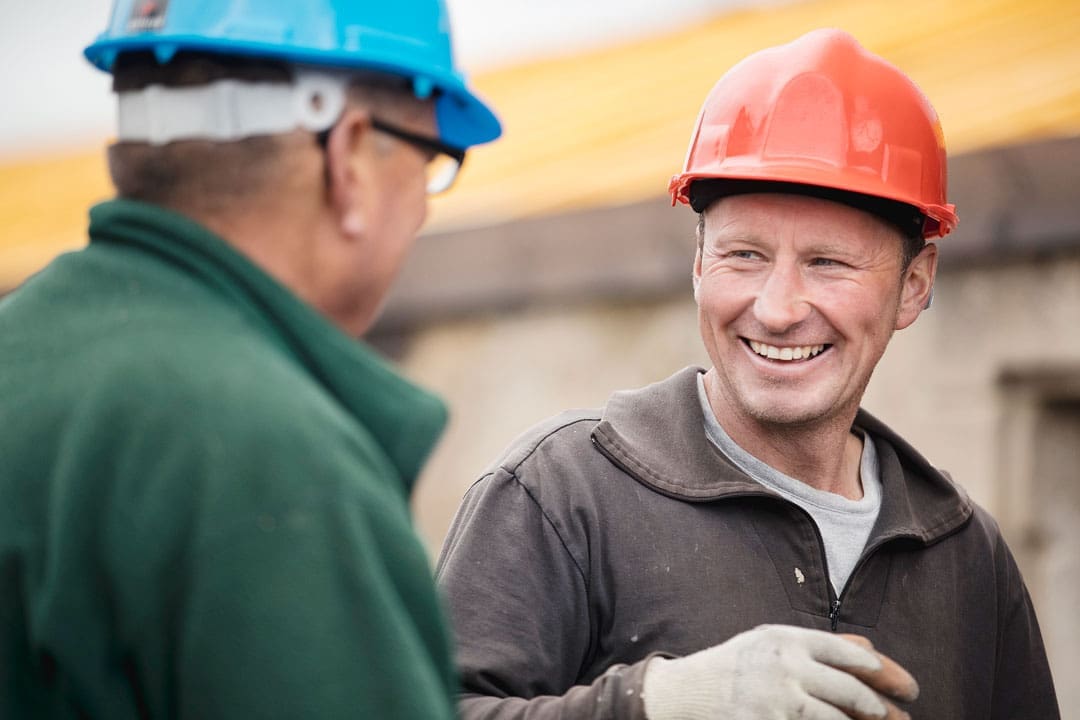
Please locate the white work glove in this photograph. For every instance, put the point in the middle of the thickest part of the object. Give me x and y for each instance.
(777, 672)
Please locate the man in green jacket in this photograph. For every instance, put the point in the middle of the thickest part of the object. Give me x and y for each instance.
(204, 501)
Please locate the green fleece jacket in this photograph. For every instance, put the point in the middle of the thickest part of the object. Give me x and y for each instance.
(204, 495)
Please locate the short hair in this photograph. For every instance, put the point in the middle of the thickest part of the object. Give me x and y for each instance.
(203, 176)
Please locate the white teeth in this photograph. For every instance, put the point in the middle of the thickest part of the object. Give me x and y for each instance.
(772, 352)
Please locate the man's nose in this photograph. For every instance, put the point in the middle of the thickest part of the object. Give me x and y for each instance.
(781, 301)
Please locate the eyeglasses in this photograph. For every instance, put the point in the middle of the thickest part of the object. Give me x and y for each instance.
(443, 162)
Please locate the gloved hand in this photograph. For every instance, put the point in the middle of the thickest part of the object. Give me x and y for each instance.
(776, 672)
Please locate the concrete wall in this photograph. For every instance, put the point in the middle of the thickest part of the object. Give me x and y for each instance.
(943, 381)
(504, 373)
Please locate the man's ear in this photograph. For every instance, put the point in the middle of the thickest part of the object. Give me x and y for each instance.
(917, 286)
(695, 276)
(346, 179)
(699, 236)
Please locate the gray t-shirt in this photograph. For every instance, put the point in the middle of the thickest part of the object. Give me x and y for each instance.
(844, 524)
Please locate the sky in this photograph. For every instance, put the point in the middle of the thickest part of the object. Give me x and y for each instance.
(54, 101)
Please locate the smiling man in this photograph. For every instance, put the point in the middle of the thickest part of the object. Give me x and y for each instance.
(798, 298)
(745, 541)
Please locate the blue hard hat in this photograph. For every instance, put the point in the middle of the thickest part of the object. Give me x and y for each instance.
(410, 38)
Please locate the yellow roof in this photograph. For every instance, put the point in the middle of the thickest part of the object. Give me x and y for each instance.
(611, 126)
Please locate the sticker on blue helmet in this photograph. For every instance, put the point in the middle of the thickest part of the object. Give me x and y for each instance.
(147, 15)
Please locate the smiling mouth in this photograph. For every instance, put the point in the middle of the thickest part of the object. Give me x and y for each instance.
(786, 354)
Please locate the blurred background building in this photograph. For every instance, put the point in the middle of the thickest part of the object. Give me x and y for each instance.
(556, 271)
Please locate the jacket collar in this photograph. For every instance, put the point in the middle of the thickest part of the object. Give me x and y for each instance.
(404, 419)
(657, 435)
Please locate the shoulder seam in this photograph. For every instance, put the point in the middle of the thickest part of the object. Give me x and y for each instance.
(541, 440)
(554, 528)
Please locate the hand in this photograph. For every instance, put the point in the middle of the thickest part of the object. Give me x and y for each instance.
(779, 672)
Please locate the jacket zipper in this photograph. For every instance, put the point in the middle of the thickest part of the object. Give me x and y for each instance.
(834, 602)
(834, 614)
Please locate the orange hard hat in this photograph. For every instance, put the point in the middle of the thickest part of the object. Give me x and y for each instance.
(822, 111)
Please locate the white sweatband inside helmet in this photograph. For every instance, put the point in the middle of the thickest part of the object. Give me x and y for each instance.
(227, 110)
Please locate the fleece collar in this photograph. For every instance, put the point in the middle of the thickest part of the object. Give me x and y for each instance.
(657, 435)
(404, 419)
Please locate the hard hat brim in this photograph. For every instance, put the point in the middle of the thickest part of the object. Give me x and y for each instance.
(940, 219)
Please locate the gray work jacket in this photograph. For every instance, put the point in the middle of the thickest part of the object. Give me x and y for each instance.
(599, 539)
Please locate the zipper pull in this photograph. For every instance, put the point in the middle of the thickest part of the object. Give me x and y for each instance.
(834, 614)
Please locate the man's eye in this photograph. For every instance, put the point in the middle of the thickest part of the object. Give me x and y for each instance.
(743, 254)
(825, 262)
